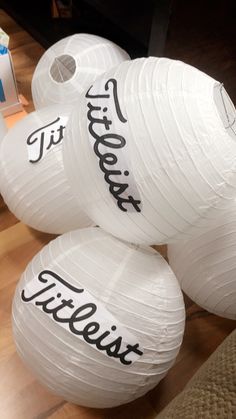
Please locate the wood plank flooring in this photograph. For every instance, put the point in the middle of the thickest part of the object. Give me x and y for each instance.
(21, 395)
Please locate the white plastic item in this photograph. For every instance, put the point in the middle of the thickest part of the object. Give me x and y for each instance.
(149, 151)
(71, 65)
(3, 128)
(97, 320)
(206, 266)
(32, 178)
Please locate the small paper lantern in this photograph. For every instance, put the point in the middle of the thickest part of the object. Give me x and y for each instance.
(206, 266)
(70, 65)
(3, 128)
(32, 178)
(151, 150)
(97, 320)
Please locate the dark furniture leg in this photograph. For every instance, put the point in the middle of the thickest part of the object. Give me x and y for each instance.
(160, 22)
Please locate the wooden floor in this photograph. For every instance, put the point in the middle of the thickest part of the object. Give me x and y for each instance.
(21, 396)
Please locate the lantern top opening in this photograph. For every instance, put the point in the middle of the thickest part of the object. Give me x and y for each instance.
(63, 68)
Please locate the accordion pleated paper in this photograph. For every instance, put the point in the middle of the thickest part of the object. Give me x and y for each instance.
(116, 296)
(32, 179)
(206, 266)
(70, 65)
(151, 150)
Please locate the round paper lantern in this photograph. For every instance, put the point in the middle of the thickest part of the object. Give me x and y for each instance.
(206, 266)
(3, 128)
(32, 178)
(70, 65)
(151, 150)
(97, 320)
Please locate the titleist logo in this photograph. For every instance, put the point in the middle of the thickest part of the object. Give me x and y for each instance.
(44, 138)
(78, 312)
(108, 144)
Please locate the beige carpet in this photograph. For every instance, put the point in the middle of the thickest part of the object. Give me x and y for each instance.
(211, 393)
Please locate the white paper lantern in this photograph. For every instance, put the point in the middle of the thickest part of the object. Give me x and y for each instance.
(32, 178)
(71, 65)
(125, 318)
(150, 151)
(3, 128)
(206, 266)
